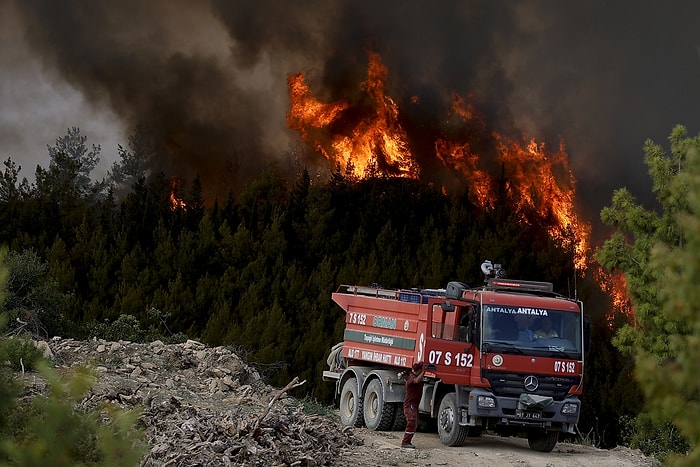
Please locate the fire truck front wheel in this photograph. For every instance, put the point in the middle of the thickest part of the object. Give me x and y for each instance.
(379, 415)
(450, 431)
(542, 441)
(351, 404)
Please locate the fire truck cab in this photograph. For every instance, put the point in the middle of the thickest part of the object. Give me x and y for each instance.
(508, 356)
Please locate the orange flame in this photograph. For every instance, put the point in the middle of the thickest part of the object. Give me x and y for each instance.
(176, 202)
(373, 143)
(543, 182)
(539, 181)
(368, 139)
(615, 286)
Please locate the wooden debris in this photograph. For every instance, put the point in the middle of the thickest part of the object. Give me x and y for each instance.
(204, 406)
(291, 385)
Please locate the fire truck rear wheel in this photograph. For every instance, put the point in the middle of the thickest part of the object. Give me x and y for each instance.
(379, 415)
(542, 441)
(351, 404)
(450, 431)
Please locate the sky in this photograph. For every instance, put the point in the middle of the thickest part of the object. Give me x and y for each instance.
(209, 78)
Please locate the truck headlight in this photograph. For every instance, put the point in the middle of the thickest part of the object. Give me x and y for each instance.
(487, 402)
(569, 408)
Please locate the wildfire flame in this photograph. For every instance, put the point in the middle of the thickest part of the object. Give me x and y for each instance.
(367, 138)
(539, 181)
(364, 139)
(615, 286)
(175, 202)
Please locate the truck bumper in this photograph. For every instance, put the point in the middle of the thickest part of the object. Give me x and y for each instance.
(559, 416)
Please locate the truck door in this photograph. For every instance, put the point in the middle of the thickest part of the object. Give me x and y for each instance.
(447, 346)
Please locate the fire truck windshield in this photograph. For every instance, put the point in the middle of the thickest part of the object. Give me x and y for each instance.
(532, 332)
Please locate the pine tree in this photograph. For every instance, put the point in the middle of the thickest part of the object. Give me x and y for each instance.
(71, 164)
(133, 163)
(658, 254)
(194, 202)
(670, 379)
(637, 230)
(12, 200)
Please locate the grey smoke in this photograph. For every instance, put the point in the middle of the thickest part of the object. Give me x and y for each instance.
(209, 78)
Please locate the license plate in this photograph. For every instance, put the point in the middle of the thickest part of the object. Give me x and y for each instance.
(528, 415)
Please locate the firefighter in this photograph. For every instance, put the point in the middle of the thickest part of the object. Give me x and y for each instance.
(414, 391)
(546, 329)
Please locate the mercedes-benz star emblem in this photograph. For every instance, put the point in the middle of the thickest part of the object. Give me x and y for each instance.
(531, 383)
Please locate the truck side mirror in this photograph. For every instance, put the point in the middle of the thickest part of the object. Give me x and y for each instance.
(454, 290)
(447, 306)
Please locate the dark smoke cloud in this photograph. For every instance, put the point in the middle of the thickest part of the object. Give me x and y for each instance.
(165, 65)
(210, 78)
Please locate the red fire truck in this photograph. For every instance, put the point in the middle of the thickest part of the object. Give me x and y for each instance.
(507, 356)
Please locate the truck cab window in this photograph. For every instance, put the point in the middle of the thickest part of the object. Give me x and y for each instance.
(438, 330)
(450, 325)
(463, 330)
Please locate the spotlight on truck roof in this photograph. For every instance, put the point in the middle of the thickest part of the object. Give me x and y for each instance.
(491, 270)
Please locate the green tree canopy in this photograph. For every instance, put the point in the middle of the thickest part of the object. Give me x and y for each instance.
(636, 230)
(673, 388)
(659, 253)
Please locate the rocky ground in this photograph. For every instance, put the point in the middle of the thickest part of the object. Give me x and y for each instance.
(205, 406)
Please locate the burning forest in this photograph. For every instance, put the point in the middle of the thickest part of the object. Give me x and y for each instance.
(279, 149)
(366, 100)
(365, 137)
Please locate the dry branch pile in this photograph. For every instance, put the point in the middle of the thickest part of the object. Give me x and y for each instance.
(203, 406)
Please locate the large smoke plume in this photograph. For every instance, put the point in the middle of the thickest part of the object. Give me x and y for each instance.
(209, 78)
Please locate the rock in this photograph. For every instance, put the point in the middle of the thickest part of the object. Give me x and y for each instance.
(228, 381)
(45, 349)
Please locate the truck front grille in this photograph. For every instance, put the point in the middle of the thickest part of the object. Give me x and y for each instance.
(513, 384)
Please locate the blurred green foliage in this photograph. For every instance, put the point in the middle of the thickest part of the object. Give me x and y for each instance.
(50, 430)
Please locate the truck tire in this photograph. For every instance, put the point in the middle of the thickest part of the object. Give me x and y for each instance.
(450, 431)
(399, 423)
(379, 415)
(542, 441)
(351, 404)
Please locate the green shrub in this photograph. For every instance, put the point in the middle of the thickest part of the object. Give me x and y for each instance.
(32, 298)
(128, 328)
(311, 406)
(8, 394)
(50, 431)
(19, 353)
(652, 437)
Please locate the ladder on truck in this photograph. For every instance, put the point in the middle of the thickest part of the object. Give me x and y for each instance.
(402, 295)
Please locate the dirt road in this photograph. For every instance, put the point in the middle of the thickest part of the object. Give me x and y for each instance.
(383, 449)
(190, 385)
